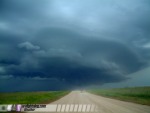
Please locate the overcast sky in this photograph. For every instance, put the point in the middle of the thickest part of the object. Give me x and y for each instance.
(67, 44)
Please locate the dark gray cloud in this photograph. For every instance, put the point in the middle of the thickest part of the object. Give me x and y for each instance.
(28, 46)
(68, 44)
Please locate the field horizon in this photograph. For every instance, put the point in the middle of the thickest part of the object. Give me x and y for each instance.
(139, 95)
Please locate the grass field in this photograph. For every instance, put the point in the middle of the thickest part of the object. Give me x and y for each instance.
(31, 97)
(139, 95)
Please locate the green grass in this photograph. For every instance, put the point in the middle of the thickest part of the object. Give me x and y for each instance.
(140, 95)
(31, 97)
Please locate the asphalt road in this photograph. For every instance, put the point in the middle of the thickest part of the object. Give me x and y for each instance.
(96, 104)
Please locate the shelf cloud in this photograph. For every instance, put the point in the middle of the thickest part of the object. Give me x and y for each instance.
(55, 45)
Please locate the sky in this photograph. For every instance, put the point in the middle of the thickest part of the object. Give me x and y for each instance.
(69, 44)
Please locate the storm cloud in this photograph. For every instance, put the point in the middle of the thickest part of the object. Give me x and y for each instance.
(55, 45)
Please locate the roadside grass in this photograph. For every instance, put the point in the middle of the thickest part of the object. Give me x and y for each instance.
(140, 95)
(31, 97)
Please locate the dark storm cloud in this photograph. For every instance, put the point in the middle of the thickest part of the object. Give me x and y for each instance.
(28, 46)
(74, 43)
(74, 59)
